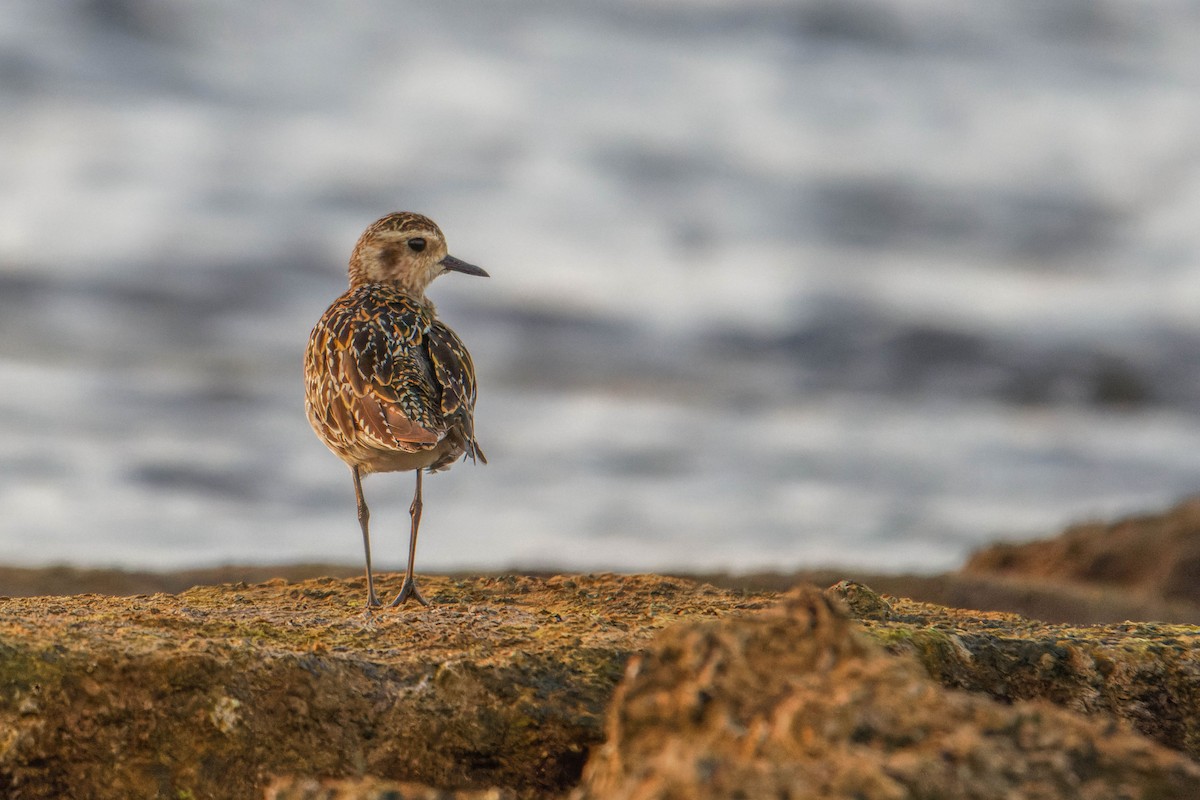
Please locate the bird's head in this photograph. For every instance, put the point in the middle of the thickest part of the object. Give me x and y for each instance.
(406, 250)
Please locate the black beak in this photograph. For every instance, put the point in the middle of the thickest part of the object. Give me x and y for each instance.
(452, 264)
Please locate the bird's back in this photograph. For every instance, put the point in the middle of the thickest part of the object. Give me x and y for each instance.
(387, 385)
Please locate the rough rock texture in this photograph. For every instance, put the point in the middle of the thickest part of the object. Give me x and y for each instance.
(1145, 673)
(1056, 600)
(1053, 601)
(212, 692)
(371, 789)
(1154, 556)
(793, 703)
(217, 691)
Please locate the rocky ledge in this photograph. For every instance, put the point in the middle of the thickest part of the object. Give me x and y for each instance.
(1147, 556)
(504, 686)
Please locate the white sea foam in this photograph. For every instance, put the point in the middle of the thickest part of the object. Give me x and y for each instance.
(778, 284)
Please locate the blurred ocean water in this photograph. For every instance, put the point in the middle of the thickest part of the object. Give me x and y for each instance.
(775, 284)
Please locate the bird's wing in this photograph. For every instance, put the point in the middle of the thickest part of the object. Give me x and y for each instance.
(379, 383)
(454, 372)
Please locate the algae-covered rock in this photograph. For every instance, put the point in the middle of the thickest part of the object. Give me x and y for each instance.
(212, 692)
(1145, 673)
(795, 703)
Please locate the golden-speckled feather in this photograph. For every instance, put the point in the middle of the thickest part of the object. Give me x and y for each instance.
(454, 372)
(385, 380)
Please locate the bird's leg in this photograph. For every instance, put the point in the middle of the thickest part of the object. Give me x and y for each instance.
(409, 588)
(364, 516)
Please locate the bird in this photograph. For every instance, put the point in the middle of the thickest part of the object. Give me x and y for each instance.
(388, 386)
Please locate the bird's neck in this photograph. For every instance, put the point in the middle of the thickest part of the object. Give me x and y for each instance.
(395, 287)
(410, 285)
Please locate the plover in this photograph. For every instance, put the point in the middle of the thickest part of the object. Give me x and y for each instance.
(388, 386)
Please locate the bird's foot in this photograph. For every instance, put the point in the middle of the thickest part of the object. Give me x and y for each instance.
(373, 600)
(407, 591)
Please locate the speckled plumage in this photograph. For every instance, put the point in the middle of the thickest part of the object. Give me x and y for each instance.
(388, 386)
(388, 383)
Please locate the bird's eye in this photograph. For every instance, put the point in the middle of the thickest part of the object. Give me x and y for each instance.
(417, 244)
